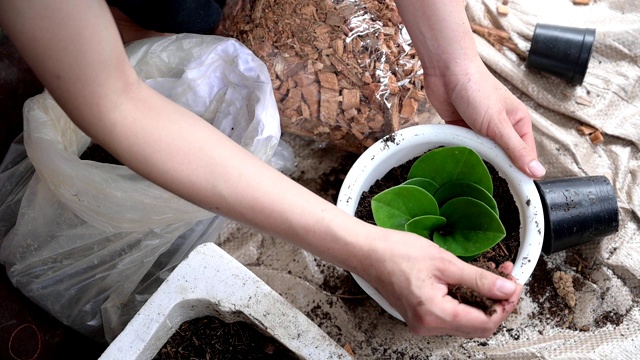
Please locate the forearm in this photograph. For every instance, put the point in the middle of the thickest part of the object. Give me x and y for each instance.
(182, 153)
(440, 32)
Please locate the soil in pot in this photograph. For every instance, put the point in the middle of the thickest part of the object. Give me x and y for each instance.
(505, 250)
(211, 338)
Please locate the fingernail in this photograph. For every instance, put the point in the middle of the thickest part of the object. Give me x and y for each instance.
(536, 169)
(505, 287)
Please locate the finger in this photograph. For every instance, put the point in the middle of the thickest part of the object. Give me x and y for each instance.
(506, 267)
(483, 282)
(522, 154)
(458, 319)
(506, 307)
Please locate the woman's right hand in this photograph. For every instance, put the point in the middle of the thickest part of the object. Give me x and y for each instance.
(413, 274)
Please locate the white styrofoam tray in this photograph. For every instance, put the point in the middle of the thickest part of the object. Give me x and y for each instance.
(211, 282)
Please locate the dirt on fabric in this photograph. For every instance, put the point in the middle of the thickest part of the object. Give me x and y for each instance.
(557, 299)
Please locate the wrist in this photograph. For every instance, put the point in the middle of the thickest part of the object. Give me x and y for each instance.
(441, 34)
(364, 247)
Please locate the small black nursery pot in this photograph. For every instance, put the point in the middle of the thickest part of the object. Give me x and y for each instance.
(577, 210)
(561, 51)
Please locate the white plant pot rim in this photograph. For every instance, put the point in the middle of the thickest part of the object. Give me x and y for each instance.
(408, 143)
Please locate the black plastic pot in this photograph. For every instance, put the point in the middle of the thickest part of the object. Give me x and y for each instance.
(577, 210)
(561, 51)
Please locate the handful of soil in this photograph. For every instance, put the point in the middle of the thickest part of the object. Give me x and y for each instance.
(470, 297)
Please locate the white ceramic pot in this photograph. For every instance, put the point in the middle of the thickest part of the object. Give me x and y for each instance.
(406, 144)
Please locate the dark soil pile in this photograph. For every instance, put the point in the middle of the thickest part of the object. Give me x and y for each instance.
(506, 250)
(211, 338)
(552, 308)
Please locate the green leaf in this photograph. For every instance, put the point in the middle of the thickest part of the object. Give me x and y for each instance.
(425, 225)
(453, 163)
(425, 184)
(458, 189)
(472, 228)
(394, 207)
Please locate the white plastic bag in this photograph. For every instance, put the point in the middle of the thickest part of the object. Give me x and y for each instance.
(93, 241)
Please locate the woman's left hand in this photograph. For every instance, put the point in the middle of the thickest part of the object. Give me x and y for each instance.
(472, 97)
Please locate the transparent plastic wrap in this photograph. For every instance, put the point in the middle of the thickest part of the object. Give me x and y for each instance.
(15, 173)
(93, 241)
(342, 72)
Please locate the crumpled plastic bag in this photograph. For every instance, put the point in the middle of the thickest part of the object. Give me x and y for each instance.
(93, 241)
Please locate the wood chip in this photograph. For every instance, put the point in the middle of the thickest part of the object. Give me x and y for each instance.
(348, 349)
(393, 85)
(335, 19)
(583, 100)
(581, 2)
(409, 107)
(392, 115)
(328, 80)
(294, 99)
(350, 99)
(498, 39)
(503, 10)
(323, 29)
(596, 138)
(329, 106)
(349, 114)
(343, 68)
(586, 129)
(311, 96)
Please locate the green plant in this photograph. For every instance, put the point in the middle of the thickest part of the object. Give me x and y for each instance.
(448, 197)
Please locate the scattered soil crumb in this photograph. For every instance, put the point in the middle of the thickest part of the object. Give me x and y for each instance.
(564, 286)
(552, 309)
(609, 318)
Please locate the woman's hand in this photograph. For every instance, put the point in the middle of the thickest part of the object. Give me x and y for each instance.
(460, 87)
(413, 274)
(472, 97)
